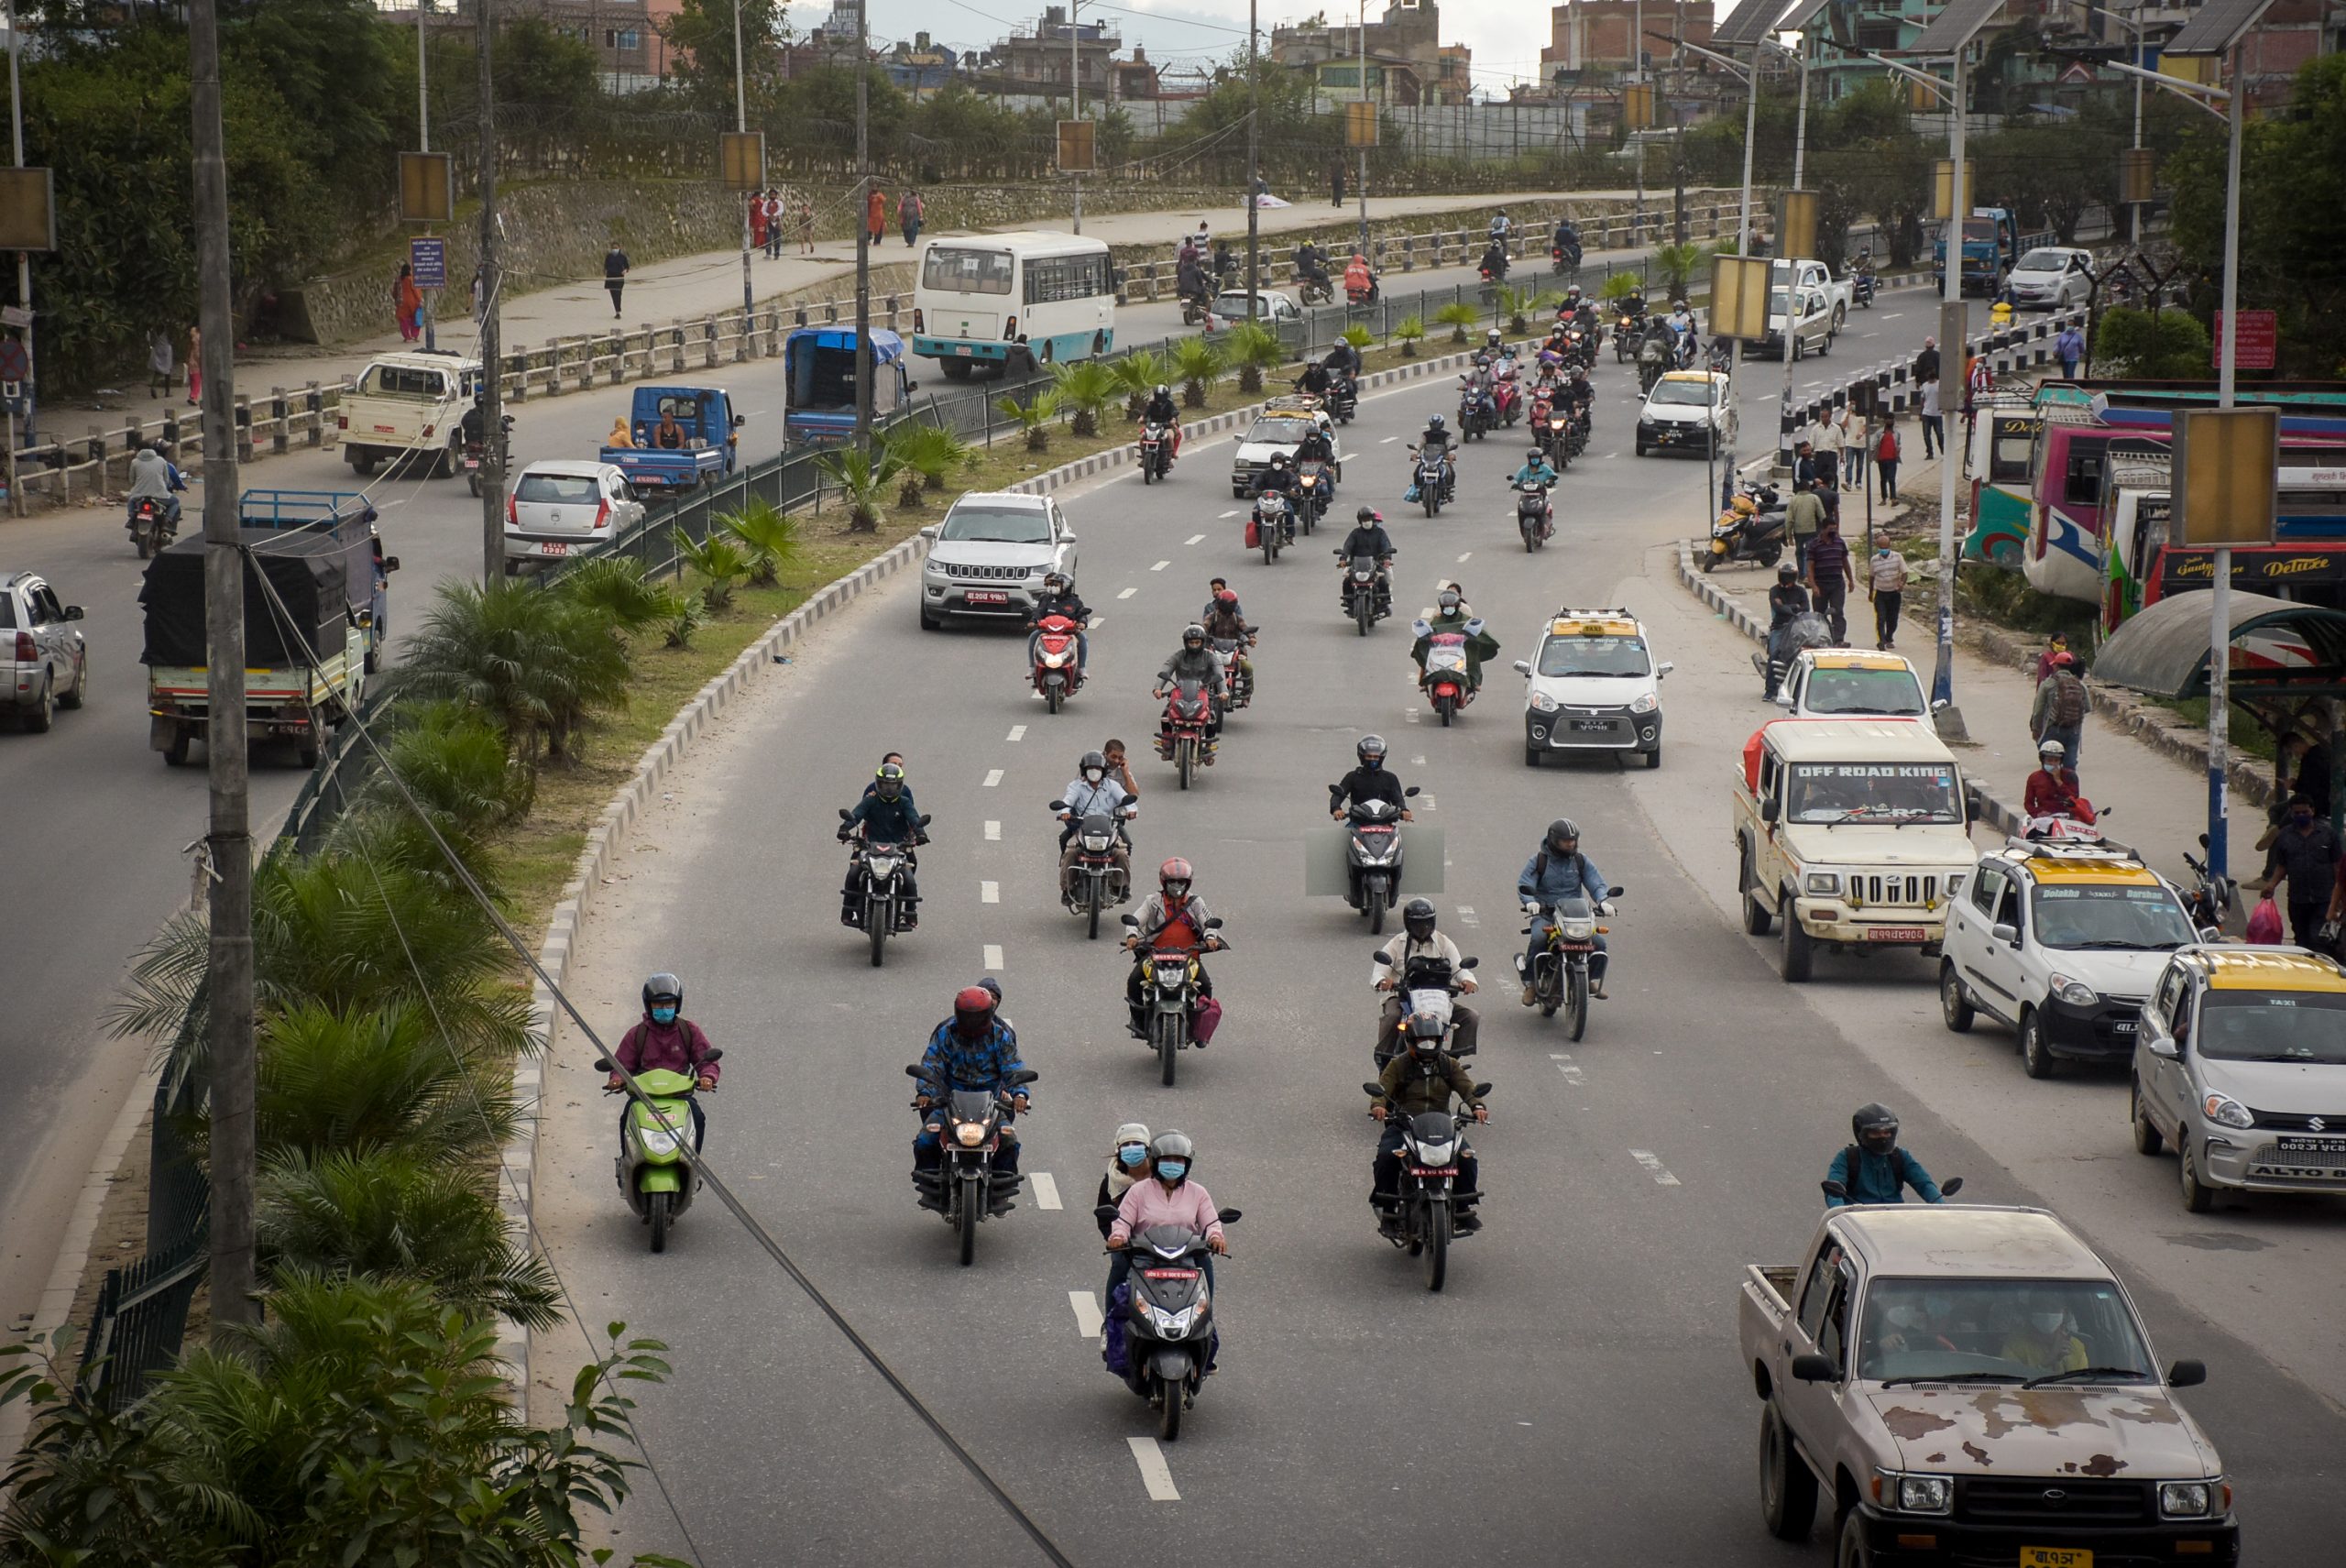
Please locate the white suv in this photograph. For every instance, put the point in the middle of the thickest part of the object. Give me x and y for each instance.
(2063, 943)
(988, 558)
(1594, 687)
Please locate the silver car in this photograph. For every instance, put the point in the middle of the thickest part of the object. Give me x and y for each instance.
(44, 664)
(988, 558)
(2051, 278)
(560, 509)
(2241, 1065)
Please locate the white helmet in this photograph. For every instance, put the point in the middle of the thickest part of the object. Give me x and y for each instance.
(1130, 1133)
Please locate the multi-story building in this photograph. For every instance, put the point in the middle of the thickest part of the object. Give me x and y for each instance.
(1057, 50)
(1408, 63)
(1595, 36)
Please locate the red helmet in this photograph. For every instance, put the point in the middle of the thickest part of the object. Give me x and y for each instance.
(1227, 595)
(1173, 877)
(972, 1012)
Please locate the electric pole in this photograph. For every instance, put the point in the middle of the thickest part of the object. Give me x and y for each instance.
(1254, 179)
(862, 236)
(492, 380)
(742, 123)
(423, 144)
(1075, 93)
(229, 993)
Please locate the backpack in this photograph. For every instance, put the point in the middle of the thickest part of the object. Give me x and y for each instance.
(2068, 706)
(1886, 450)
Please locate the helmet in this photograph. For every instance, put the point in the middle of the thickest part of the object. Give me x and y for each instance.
(1193, 635)
(1163, 392)
(1450, 598)
(1226, 595)
(1875, 1127)
(891, 782)
(1562, 833)
(972, 1012)
(2049, 747)
(1426, 1026)
(1176, 1148)
(1054, 577)
(1093, 764)
(1435, 423)
(1492, 337)
(1417, 918)
(1572, 292)
(1279, 459)
(1174, 877)
(659, 986)
(1536, 455)
(1367, 516)
(1786, 572)
(1371, 751)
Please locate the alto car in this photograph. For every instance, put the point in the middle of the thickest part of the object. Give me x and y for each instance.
(1594, 687)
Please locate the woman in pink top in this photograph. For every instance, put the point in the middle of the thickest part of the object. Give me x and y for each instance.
(1169, 1199)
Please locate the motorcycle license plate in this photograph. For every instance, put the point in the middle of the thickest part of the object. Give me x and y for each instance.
(1590, 725)
(986, 596)
(1168, 1273)
(553, 547)
(1897, 934)
(1434, 1170)
(1576, 947)
(2056, 1557)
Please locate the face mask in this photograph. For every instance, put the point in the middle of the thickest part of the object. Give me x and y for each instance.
(1450, 601)
(1172, 1169)
(1093, 774)
(663, 1015)
(1133, 1155)
(2047, 1323)
(2302, 819)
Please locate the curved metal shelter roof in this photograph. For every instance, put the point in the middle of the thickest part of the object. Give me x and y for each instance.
(2279, 649)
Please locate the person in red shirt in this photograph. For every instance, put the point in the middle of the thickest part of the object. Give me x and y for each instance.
(2052, 789)
(1173, 920)
(666, 1039)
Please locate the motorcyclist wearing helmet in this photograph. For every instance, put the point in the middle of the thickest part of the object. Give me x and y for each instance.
(1535, 471)
(972, 1051)
(153, 477)
(665, 1039)
(1558, 870)
(1058, 597)
(1368, 537)
(1314, 380)
(1787, 602)
(1418, 1082)
(1160, 410)
(1279, 479)
(1873, 1168)
(1195, 661)
(1360, 287)
(1224, 624)
(1311, 265)
(1436, 441)
(1493, 262)
(2053, 787)
(1190, 278)
(1094, 789)
(904, 787)
(1168, 1198)
(1316, 443)
(884, 816)
(1421, 941)
(1452, 613)
(1566, 241)
(1371, 780)
(1493, 343)
(1343, 362)
(1172, 920)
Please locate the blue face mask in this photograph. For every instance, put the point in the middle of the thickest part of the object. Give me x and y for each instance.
(1172, 1169)
(1133, 1155)
(663, 1015)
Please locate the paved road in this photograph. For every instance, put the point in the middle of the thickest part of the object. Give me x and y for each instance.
(1578, 1379)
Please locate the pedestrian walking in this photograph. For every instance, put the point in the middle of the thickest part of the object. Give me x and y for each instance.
(1336, 183)
(805, 226)
(407, 303)
(1826, 438)
(910, 214)
(1886, 577)
(615, 269)
(1933, 422)
(480, 294)
(194, 365)
(2060, 708)
(875, 215)
(2304, 857)
(1018, 361)
(1885, 457)
(776, 216)
(1830, 576)
(2057, 646)
(1857, 439)
(161, 371)
(2071, 347)
(757, 220)
(1803, 520)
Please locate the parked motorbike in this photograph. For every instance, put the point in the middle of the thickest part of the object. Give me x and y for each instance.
(1426, 1223)
(1096, 880)
(971, 1127)
(2211, 898)
(1273, 524)
(1755, 536)
(882, 869)
(1056, 674)
(1367, 595)
(1559, 976)
(1447, 682)
(1237, 681)
(1315, 488)
(1534, 519)
(1428, 984)
(1156, 450)
(653, 1175)
(1373, 857)
(1166, 1319)
(1171, 995)
(1427, 468)
(1806, 630)
(152, 526)
(1182, 736)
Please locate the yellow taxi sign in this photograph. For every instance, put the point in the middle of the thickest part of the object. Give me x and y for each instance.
(2254, 969)
(2083, 872)
(1858, 662)
(1591, 626)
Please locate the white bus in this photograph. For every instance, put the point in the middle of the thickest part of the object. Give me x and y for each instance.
(977, 295)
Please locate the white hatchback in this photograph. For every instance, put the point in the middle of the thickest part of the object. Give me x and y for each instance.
(558, 508)
(1594, 687)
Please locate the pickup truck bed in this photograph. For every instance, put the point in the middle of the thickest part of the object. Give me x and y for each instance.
(662, 469)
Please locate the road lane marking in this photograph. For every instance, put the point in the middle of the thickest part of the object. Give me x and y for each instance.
(1466, 915)
(989, 892)
(1416, 762)
(1468, 556)
(1155, 1473)
(1654, 1167)
(1426, 803)
(1127, 593)
(1193, 539)
(1610, 456)
(1389, 441)
(992, 958)
(1046, 1196)
(994, 777)
(1018, 732)
(1892, 315)
(1410, 714)
(1097, 621)
(1572, 1073)
(993, 832)
(1228, 515)
(1087, 1321)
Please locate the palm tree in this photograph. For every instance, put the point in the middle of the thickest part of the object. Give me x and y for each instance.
(534, 662)
(1458, 315)
(1409, 330)
(1676, 263)
(390, 1213)
(452, 760)
(1201, 364)
(1086, 386)
(1621, 286)
(721, 560)
(1517, 305)
(1253, 349)
(1359, 336)
(615, 588)
(327, 1082)
(929, 453)
(767, 534)
(1139, 375)
(863, 479)
(1034, 416)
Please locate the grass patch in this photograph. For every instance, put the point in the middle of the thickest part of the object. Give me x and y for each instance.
(1991, 593)
(2248, 737)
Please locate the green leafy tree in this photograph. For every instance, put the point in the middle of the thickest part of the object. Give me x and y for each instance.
(2171, 345)
(1201, 365)
(1411, 331)
(1458, 316)
(699, 35)
(768, 535)
(452, 760)
(1253, 349)
(1139, 375)
(1034, 416)
(1086, 387)
(863, 477)
(536, 663)
(537, 65)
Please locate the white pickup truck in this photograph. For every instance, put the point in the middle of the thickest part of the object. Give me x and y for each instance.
(407, 408)
(1839, 294)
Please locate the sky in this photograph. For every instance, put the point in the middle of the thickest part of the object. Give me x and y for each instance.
(1505, 35)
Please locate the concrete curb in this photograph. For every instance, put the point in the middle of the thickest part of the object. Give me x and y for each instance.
(627, 806)
(1995, 813)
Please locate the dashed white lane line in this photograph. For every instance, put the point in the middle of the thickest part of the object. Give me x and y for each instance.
(1610, 456)
(1409, 714)
(1654, 1167)
(1228, 515)
(1194, 539)
(1047, 1194)
(989, 892)
(1155, 1473)
(1160, 565)
(993, 778)
(1571, 1072)
(1892, 315)
(1018, 732)
(1416, 762)
(1087, 1321)
(1466, 915)
(1098, 619)
(1389, 440)
(1427, 803)
(993, 957)
(1468, 556)
(993, 832)
(1127, 593)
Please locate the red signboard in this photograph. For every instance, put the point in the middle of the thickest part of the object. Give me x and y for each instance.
(2260, 341)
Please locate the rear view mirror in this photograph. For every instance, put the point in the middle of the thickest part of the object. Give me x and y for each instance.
(1214, 923)
(1372, 1089)
(1229, 1216)
(1468, 963)
(1769, 811)
(1104, 1212)
(1481, 1089)
(927, 820)
(1410, 793)
(1058, 805)
(1662, 669)
(845, 815)
(1816, 1368)
(1613, 891)
(603, 1064)
(1522, 667)
(390, 564)
(916, 1071)
(2005, 934)
(714, 1052)
(72, 612)
(1028, 1074)
(1952, 1185)
(2186, 1374)
(1133, 921)
(1783, 699)
(1384, 957)
(1834, 1189)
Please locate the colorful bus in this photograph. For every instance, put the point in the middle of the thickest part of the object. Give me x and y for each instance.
(2002, 441)
(2305, 563)
(979, 293)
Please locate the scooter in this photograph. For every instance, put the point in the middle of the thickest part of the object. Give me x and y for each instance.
(1373, 855)
(1368, 592)
(1447, 681)
(884, 909)
(1533, 517)
(1757, 536)
(1096, 880)
(1156, 450)
(1182, 738)
(1559, 976)
(152, 526)
(1166, 1321)
(1426, 1223)
(1506, 401)
(1057, 672)
(1237, 680)
(971, 1127)
(1361, 293)
(1170, 1004)
(653, 1175)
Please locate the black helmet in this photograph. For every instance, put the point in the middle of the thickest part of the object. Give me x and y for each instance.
(891, 782)
(1279, 459)
(1537, 455)
(1051, 577)
(1163, 391)
(1175, 1146)
(1417, 918)
(1094, 762)
(1426, 1030)
(1194, 634)
(660, 985)
(1875, 1127)
(1435, 423)
(1562, 833)
(1367, 517)
(1451, 596)
(1370, 751)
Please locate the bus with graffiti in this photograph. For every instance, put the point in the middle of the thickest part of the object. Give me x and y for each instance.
(2147, 562)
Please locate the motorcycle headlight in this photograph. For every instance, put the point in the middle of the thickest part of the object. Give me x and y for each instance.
(2191, 1499)
(1053, 661)
(1577, 930)
(2225, 1111)
(970, 1133)
(2075, 993)
(880, 865)
(1437, 1154)
(1097, 842)
(1824, 882)
(1171, 1324)
(1542, 702)
(1647, 703)
(657, 1140)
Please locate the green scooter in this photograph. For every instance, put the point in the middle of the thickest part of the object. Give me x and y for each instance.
(651, 1166)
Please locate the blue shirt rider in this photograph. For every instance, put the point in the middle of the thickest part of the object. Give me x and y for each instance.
(1874, 1169)
(972, 1051)
(1535, 471)
(1558, 871)
(887, 816)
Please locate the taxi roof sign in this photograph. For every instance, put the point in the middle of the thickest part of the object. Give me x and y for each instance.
(1592, 626)
(2066, 872)
(1852, 660)
(2271, 968)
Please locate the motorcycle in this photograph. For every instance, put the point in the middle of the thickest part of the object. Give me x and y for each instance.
(1626, 330)
(1368, 592)
(1476, 413)
(1533, 517)
(1426, 1222)
(1096, 880)
(1195, 309)
(1372, 854)
(1237, 681)
(2066, 830)
(1506, 401)
(1344, 400)
(1057, 676)
(1315, 289)
(2211, 897)
(1552, 427)
(1171, 1001)
(1861, 290)
(152, 527)
(1578, 422)
(1757, 536)
(1559, 976)
(1806, 630)
(970, 1127)
(1427, 984)
(1167, 1318)
(476, 452)
(1447, 682)
(1156, 450)
(1315, 488)
(883, 912)
(1181, 740)
(1428, 467)
(653, 1175)
(1566, 258)
(1654, 360)
(1274, 522)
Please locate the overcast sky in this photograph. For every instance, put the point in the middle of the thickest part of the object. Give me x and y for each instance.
(1505, 35)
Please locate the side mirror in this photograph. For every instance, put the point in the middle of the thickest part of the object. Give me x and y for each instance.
(1814, 1369)
(1468, 963)
(1481, 1089)
(1523, 668)
(1662, 669)
(929, 532)
(1058, 805)
(1950, 1187)
(741, 420)
(714, 1052)
(1769, 811)
(1783, 699)
(2163, 1047)
(2186, 1374)
(1835, 1189)
(603, 1064)
(1133, 921)
(1372, 1088)
(1214, 923)
(927, 820)
(1410, 793)
(1104, 1212)
(916, 1071)
(2005, 934)
(2211, 933)
(845, 815)
(1384, 957)
(2203, 840)
(1025, 1075)
(1613, 891)
(72, 612)
(1229, 1216)
(390, 564)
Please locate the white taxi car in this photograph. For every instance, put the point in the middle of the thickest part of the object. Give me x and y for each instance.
(1850, 683)
(1594, 687)
(1686, 411)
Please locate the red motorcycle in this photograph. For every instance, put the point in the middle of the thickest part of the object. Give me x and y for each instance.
(1155, 447)
(1181, 737)
(1057, 675)
(1448, 682)
(1507, 398)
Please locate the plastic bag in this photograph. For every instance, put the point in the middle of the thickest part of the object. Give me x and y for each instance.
(1410, 496)
(1113, 1333)
(1209, 1019)
(2265, 922)
(1254, 535)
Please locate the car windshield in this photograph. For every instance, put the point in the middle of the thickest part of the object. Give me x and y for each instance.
(2041, 261)
(1872, 791)
(958, 269)
(1999, 1330)
(1691, 393)
(1890, 692)
(2143, 919)
(565, 489)
(1577, 655)
(2265, 1026)
(997, 525)
(1978, 228)
(1235, 304)
(1279, 431)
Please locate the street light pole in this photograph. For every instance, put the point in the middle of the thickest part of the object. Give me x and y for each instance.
(1636, 74)
(422, 144)
(863, 235)
(1075, 92)
(1800, 162)
(1742, 247)
(741, 124)
(1363, 181)
(23, 270)
(1951, 329)
(1254, 177)
(492, 382)
(2219, 641)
